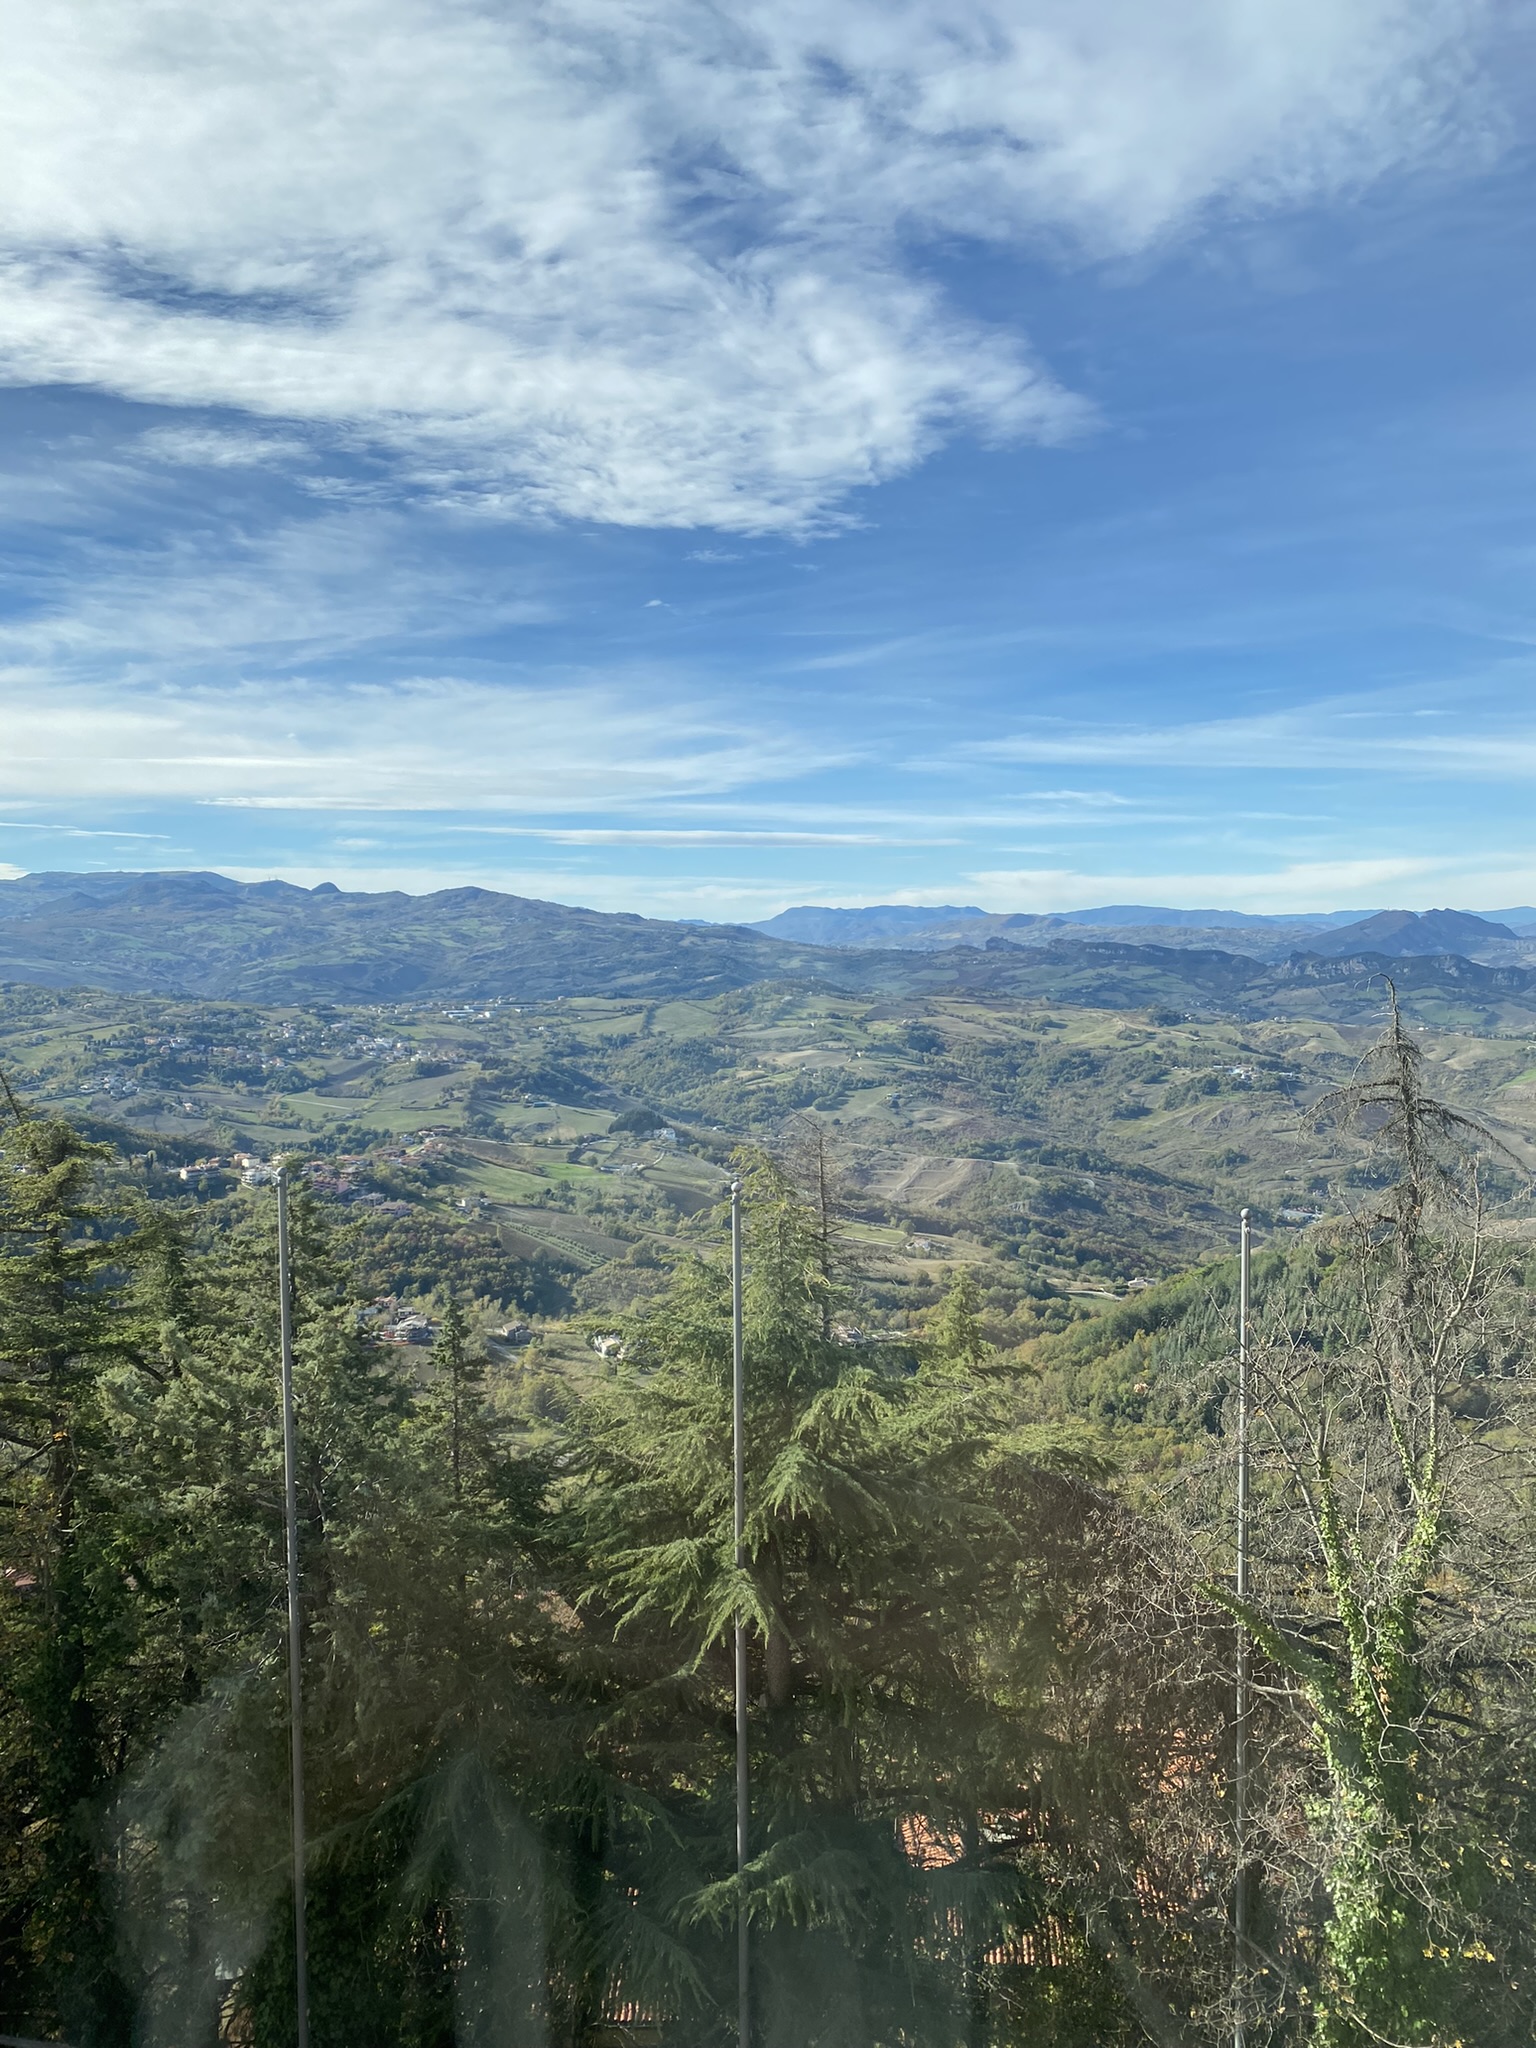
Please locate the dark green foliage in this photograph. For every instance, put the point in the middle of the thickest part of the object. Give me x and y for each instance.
(900, 1643)
(639, 1120)
(416, 1532)
(923, 1038)
(552, 1080)
(420, 1255)
(66, 1622)
(1190, 1090)
(1162, 1355)
(1007, 1078)
(955, 1333)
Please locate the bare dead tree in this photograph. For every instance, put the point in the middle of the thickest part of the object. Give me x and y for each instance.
(810, 1160)
(1392, 1603)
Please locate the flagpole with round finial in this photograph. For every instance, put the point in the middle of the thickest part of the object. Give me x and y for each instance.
(295, 1617)
(1240, 1586)
(739, 1478)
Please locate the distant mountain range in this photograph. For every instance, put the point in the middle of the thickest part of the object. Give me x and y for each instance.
(1259, 937)
(820, 925)
(205, 935)
(200, 934)
(884, 924)
(1414, 932)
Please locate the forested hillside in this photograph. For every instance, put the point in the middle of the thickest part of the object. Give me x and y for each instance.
(987, 1596)
(203, 934)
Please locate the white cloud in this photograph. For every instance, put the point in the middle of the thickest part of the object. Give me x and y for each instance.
(334, 582)
(1407, 881)
(1362, 735)
(114, 833)
(648, 261)
(1093, 807)
(209, 447)
(609, 835)
(423, 745)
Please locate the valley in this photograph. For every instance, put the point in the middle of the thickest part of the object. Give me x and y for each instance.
(555, 1159)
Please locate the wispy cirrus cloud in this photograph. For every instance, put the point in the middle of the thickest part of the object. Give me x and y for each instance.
(1295, 885)
(214, 447)
(1384, 734)
(114, 832)
(428, 744)
(202, 593)
(651, 263)
(683, 836)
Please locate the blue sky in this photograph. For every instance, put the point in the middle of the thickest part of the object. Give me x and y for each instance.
(696, 460)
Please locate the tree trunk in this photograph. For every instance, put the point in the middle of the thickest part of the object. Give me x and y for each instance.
(778, 1669)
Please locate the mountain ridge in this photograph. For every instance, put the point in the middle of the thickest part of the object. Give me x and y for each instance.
(1266, 936)
(828, 924)
(1409, 931)
(202, 934)
(205, 934)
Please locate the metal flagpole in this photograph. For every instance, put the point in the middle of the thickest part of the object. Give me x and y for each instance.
(1240, 1756)
(295, 1619)
(743, 1785)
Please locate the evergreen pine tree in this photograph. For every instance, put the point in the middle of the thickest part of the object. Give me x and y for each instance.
(955, 1333)
(423, 1658)
(65, 1625)
(900, 1641)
